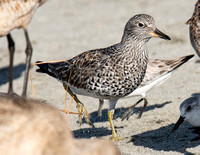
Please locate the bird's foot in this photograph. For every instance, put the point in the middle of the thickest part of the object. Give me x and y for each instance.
(83, 111)
(127, 114)
(99, 114)
(114, 137)
(9, 94)
(140, 115)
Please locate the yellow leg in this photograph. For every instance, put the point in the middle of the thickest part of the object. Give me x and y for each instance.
(114, 134)
(80, 106)
(110, 118)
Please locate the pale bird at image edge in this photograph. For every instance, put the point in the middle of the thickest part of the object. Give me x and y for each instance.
(109, 73)
(190, 112)
(17, 14)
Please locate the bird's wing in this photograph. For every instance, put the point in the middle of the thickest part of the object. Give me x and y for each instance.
(80, 68)
(159, 67)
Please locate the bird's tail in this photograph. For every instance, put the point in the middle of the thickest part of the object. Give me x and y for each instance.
(59, 70)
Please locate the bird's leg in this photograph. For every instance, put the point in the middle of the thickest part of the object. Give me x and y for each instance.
(130, 109)
(114, 136)
(112, 104)
(28, 52)
(11, 47)
(80, 106)
(101, 102)
(145, 104)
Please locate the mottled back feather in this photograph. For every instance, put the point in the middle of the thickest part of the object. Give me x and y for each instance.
(194, 28)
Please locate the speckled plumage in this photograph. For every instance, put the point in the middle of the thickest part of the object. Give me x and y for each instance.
(107, 78)
(113, 72)
(194, 28)
(157, 72)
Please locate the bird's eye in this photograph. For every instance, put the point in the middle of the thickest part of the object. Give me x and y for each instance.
(188, 108)
(141, 25)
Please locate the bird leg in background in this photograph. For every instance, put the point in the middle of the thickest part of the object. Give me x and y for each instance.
(101, 102)
(11, 47)
(143, 108)
(130, 109)
(127, 113)
(28, 52)
(80, 106)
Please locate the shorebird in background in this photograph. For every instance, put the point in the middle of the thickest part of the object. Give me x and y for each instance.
(32, 127)
(17, 14)
(158, 71)
(190, 112)
(109, 73)
(194, 28)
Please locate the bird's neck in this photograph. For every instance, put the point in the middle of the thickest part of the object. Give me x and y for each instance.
(134, 48)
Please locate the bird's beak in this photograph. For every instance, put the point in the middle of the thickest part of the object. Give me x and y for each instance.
(158, 33)
(178, 123)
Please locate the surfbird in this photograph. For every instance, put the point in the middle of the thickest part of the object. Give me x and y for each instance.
(157, 72)
(109, 73)
(194, 28)
(190, 112)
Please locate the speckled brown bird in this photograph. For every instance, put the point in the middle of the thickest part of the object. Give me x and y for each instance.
(109, 73)
(194, 28)
(17, 14)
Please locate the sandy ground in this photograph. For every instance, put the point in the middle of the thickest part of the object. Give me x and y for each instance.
(62, 29)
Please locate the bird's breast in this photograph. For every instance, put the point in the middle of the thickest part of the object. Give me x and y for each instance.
(117, 79)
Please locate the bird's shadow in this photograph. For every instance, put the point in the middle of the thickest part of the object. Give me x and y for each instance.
(163, 139)
(91, 132)
(17, 72)
(119, 112)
